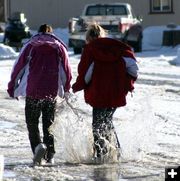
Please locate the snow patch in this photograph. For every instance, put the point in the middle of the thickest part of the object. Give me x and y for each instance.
(176, 61)
(7, 52)
(153, 37)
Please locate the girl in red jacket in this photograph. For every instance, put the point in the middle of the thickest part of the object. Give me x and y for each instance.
(106, 72)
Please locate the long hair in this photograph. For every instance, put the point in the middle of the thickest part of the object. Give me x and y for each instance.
(95, 31)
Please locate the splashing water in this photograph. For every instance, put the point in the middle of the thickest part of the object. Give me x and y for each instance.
(74, 135)
(74, 138)
(137, 135)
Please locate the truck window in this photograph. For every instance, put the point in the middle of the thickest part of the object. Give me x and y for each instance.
(120, 10)
(99, 10)
(95, 11)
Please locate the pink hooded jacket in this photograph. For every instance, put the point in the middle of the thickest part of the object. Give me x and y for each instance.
(42, 69)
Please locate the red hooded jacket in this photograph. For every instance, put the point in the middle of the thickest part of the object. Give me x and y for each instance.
(110, 82)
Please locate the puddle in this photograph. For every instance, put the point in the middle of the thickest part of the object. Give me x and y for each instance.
(9, 174)
(6, 125)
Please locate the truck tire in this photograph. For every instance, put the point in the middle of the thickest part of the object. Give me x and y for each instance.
(77, 50)
(138, 45)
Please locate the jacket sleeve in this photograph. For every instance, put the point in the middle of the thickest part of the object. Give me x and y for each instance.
(131, 69)
(131, 66)
(83, 67)
(129, 87)
(17, 72)
(66, 68)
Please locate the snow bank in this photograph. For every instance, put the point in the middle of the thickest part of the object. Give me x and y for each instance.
(1, 37)
(176, 61)
(7, 52)
(153, 37)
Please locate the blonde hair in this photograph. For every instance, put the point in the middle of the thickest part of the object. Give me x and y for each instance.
(95, 31)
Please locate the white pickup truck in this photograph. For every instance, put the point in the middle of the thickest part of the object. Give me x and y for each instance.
(117, 18)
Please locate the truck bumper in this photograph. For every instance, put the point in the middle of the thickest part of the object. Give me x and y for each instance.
(117, 36)
(75, 43)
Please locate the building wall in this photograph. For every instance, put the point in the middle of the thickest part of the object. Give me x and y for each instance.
(164, 19)
(2, 10)
(58, 12)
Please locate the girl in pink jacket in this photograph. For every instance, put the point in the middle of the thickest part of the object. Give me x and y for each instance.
(41, 73)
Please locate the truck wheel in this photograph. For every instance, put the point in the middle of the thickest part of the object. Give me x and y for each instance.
(77, 50)
(138, 45)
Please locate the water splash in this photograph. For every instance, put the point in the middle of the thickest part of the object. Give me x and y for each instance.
(137, 135)
(74, 136)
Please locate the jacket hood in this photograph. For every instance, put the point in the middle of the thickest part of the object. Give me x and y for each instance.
(108, 49)
(45, 38)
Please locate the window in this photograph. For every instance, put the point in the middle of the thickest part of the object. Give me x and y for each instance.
(161, 6)
(101, 10)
